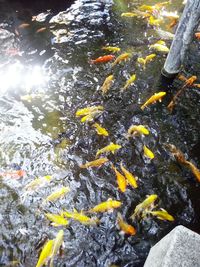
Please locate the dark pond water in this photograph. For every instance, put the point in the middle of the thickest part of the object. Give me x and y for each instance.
(45, 78)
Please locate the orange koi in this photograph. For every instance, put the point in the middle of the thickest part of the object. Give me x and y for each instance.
(13, 174)
(188, 82)
(197, 35)
(102, 59)
(125, 227)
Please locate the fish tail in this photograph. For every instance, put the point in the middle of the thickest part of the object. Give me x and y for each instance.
(142, 107)
(51, 262)
(91, 61)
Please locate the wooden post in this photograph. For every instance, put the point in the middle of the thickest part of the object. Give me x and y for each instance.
(188, 23)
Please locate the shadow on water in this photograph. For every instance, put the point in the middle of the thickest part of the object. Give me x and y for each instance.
(45, 78)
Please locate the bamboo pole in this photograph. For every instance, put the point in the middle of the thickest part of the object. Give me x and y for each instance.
(188, 23)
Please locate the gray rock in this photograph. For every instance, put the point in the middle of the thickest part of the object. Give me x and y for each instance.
(180, 248)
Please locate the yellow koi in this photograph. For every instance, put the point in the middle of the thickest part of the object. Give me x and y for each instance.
(100, 130)
(153, 99)
(129, 176)
(38, 182)
(109, 148)
(91, 116)
(57, 220)
(153, 21)
(125, 227)
(107, 84)
(146, 60)
(113, 49)
(129, 81)
(95, 163)
(137, 129)
(105, 206)
(56, 245)
(45, 254)
(81, 217)
(160, 46)
(148, 153)
(121, 180)
(162, 215)
(58, 194)
(88, 110)
(141, 208)
(120, 58)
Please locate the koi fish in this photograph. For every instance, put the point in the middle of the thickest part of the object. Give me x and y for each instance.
(13, 174)
(136, 13)
(129, 81)
(91, 116)
(129, 176)
(81, 217)
(23, 25)
(181, 159)
(141, 208)
(121, 180)
(153, 99)
(41, 29)
(153, 21)
(57, 194)
(165, 34)
(120, 58)
(197, 35)
(188, 82)
(137, 129)
(107, 205)
(129, 14)
(162, 215)
(194, 169)
(100, 130)
(102, 59)
(109, 148)
(56, 219)
(148, 153)
(95, 163)
(125, 227)
(146, 60)
(38, 182)
(112, 49)
(45, 254)
(56, 245)
(88, 110)
(160, 46)
(107, 84)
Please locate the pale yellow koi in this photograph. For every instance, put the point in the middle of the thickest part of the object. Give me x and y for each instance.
(129, 81)
(107, 84)
(120, 58)
(105, 206)
(109, 148)
(95, 163)
(144, 206)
